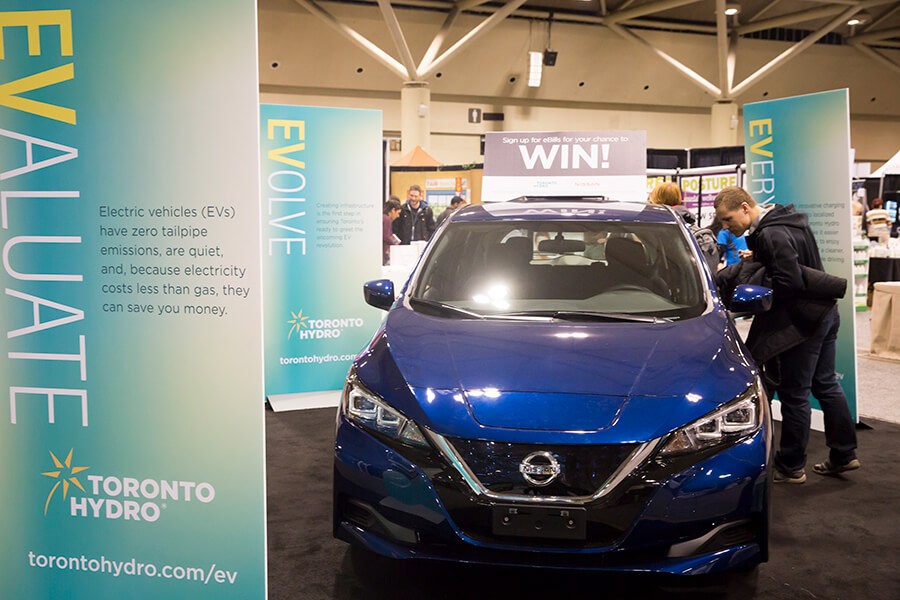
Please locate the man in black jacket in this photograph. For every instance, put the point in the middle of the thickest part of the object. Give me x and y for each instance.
(416, 220)
(781, 240)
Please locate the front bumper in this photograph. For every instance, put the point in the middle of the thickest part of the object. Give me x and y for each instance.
(700, 514)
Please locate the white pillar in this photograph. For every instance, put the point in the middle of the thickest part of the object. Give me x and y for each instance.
(415, 116)
(724, 124)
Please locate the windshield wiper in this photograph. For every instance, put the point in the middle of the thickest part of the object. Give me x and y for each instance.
(590, 315)
(444, 309)
(581, 315)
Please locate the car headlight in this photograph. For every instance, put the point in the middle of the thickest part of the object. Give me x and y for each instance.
(736, 419)
(368, 410)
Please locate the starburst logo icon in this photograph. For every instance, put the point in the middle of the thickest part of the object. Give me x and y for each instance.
(297, 323)
(65, 476)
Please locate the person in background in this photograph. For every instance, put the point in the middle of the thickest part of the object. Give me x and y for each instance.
(416, 220)
(390, 212)
(730, 246)
(670, 194)
(456, 202)
(782, 242)
(878, 222)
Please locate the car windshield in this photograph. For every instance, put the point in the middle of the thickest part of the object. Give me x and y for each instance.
(572, 270)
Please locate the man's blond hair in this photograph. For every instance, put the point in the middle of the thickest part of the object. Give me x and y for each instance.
(666, 193)
(731, 198)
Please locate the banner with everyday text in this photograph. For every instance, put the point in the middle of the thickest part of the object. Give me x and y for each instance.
(321, 222)
(565, 163)
(131, 427)
(797, 152)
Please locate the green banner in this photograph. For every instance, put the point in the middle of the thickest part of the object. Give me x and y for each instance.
(798, 152)
(321, 187)
(131, 431)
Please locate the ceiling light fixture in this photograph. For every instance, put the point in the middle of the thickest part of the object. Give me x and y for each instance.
(859, 18)
(535, 66)
(732, 9)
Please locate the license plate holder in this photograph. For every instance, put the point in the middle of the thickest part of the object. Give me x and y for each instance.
(550, 522)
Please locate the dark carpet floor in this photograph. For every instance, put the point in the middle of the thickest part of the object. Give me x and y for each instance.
(832, 537)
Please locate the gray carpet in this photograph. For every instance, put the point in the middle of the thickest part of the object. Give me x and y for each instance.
(832, 538)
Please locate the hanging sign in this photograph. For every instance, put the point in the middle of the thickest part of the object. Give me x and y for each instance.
(565, 163)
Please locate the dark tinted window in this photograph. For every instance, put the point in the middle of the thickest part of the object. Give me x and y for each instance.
(520, 267)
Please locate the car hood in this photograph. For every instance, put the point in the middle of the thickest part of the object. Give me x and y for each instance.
(566, 376)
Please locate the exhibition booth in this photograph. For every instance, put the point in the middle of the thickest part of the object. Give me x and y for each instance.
(176, 255)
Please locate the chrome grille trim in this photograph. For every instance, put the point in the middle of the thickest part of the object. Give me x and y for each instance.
(638, 456)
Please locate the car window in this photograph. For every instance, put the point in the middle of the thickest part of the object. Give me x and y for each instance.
(539, 267)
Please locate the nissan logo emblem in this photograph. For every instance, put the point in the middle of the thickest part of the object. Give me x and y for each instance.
(540, 468)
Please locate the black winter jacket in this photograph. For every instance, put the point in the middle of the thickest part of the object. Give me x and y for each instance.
(423, 224)
(783, 243)
(820, 287)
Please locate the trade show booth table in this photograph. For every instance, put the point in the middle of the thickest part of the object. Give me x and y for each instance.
(882, 269)
(886, 320)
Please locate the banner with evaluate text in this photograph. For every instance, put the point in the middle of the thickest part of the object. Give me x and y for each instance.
(798, 152)
(321, 221)
(131, 433)
(565, 163)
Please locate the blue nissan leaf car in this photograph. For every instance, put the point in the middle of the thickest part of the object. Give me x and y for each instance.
(557, 385)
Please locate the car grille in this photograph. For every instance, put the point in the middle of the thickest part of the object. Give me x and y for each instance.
(583, 468)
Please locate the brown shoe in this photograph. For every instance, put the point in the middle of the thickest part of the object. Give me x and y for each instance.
(798, 476)
(826, 468)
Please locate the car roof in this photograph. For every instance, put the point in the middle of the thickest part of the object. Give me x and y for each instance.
(547, 208)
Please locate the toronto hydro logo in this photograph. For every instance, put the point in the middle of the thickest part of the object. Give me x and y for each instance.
(65, 475)
(120, 497)
(304, 327)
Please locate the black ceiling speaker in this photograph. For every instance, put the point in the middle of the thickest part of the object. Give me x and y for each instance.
(550, 57)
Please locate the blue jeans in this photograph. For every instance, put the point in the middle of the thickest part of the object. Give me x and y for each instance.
(807, 368)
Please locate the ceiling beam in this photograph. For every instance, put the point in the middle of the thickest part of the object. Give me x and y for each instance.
(646, 9)
(393, 25)
(881, 19)
(878, 57)
(462, 5)
(479, 30)
(763, 11)
(666, 25)
(692, 75)
(360, 40)
(874, 36)
(807, 15)
(722, 48)
(790, 19)
(794, 50)
(438, 42)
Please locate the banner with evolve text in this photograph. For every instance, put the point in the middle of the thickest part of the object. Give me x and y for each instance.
(131, 431)
(321, 214)
(565, 163)
(798, 152)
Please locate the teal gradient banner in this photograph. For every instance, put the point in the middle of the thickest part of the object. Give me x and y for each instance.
(321, 222)
(798, 152)
(131, 432)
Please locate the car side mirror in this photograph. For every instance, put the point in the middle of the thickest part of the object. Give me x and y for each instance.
(751, 299)
(379, 293)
